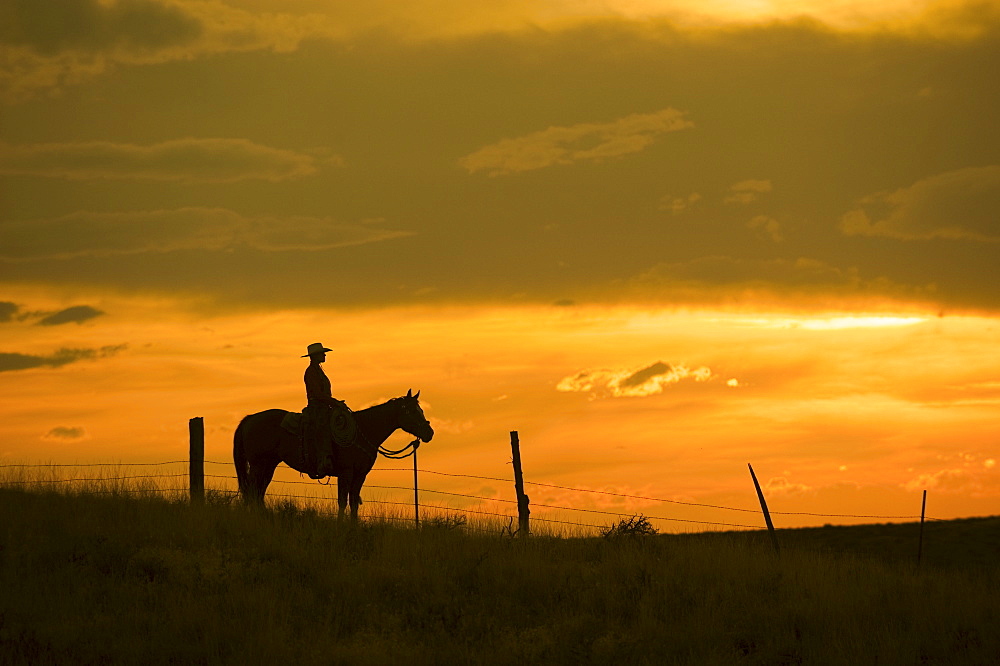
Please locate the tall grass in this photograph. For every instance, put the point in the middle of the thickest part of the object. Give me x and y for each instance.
(124, 576)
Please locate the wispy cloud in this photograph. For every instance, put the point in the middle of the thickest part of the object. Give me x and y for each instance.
(105, 234)
(960, 204)
(730, 271)
(585, 142)
(966, 480)
(726, 279)
(76, 314)
(191, 160)
(747, 191)
(626, 383)
(12, 361)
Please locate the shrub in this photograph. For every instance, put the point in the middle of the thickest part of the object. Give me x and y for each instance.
(633, 527)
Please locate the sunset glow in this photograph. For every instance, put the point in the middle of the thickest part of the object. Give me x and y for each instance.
(660, 240)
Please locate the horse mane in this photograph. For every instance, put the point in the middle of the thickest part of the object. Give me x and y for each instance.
(379, 407)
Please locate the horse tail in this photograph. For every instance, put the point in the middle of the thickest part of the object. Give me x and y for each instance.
(241, 462)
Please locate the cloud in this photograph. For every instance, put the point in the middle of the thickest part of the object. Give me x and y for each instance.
(107, 234)
(91, 25)
(747, 191)
(66, 434)
(585, 142)
(960, 205)
(10, 362)
(7, 311)
(650, 380)
(733, 280)
(678, 204)
(51, 44)
(767, 225)
(723, 270)
(76, 314)
(186, 160)
(779, 485)
(956, 480)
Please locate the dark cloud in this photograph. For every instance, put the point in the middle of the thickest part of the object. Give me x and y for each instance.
(49, 44)
(7, 310)
(76, 314)
(959, 204)
(90, 25)
(188, 160)
(820, 119)
(11, 361)
(65, 433)
(623, 383)
(644, 375)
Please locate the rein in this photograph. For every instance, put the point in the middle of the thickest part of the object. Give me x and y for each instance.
(399, 455)
(389, 453)
(402, 453)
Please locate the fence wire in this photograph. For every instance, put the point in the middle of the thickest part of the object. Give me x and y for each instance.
(446, 493)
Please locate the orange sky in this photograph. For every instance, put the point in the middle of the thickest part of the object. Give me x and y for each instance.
(659, 239)
(838, 413)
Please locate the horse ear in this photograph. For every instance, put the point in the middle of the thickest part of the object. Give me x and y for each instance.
(409, 393)
(417, 395)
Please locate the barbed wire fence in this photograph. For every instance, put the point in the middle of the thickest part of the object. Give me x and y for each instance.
(483, 502)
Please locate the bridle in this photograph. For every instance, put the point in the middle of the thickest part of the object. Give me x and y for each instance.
(404, 452)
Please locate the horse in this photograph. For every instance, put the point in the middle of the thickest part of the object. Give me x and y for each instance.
(260, 443)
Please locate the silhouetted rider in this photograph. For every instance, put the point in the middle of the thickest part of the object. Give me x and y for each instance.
(317, 433)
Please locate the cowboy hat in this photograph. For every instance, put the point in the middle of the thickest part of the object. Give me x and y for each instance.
(316, 348)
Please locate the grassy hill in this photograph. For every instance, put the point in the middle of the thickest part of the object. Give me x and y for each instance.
(965, 544)
(110, 579)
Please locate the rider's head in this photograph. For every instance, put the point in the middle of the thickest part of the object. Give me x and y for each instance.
(316, 352)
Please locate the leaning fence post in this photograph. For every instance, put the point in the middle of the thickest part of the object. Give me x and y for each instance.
(763, 506)
(920, 539)
(196, 459)
(522, 500)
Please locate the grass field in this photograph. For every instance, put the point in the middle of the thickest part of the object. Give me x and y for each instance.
(119, 577)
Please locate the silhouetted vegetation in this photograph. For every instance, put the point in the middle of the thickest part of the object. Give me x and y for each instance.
(626, 528)
(109, 578)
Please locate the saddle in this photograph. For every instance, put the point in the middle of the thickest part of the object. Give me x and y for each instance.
(343, 427)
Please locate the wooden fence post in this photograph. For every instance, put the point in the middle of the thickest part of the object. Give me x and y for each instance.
(920, 539)
(196, 459)
(416, 498)
(522, 500)
(763, 506)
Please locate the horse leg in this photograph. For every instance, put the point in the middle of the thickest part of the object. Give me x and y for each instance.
(343, 487)
(261, 478)
(241, 462)
(355, 495)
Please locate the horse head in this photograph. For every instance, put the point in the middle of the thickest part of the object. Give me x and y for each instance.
(412, 419)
